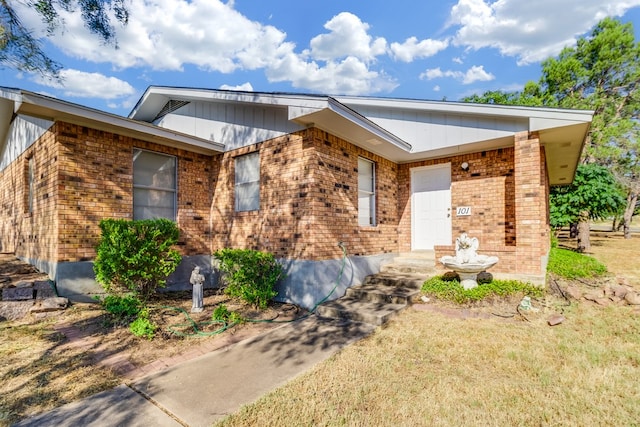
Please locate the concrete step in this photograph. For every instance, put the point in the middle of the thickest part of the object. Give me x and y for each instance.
(390, 294)
(354, 309)
(394, 279)
(416, 262)
(423, 268)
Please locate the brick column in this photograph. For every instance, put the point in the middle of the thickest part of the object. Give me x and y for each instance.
(531, 205)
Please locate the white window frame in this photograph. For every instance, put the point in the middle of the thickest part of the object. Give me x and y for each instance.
(366, 196)
(172, 191)
(244, 181)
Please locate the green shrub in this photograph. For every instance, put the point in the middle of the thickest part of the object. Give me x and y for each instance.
(572, 265)
(136, 256)
(143, 326)
(223, 314)
(250, 275)
(451, 290)
(122, 307)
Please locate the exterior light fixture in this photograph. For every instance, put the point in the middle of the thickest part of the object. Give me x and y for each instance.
(465, 166)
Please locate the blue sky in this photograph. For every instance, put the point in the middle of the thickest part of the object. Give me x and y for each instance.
(429, 49)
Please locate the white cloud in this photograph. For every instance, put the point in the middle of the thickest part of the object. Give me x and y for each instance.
(348, 36)
(350, 76)
(472, 75)
(79, 84)
(167, 35)
(533, 30)
(247, 87)
(412, 49)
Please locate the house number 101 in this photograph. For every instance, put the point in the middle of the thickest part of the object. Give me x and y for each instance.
(463, 211)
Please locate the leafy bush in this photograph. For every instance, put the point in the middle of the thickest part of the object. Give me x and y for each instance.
(250, 275)
(223, 314)
(136, 256)
(571, 265)
(143, 326)
(122, 307)
(452, 290)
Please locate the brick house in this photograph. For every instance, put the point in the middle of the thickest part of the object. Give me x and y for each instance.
(285, 173)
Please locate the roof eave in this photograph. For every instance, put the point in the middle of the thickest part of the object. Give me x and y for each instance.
(52, 109)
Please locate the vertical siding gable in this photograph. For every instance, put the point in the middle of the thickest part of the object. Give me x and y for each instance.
(235, 125)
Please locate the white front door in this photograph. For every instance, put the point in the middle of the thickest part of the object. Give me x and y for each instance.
(430, 206)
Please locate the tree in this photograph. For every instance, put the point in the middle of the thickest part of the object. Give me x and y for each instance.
(594, 194)
(601, 73)
(19, 48)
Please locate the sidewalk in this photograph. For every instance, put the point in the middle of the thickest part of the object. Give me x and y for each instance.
(203, 390)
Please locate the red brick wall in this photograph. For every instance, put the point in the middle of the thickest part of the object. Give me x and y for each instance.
(308, 200)
(487, 187)
(511, 214)
(96, 182)
(30, 235)
(84, 175)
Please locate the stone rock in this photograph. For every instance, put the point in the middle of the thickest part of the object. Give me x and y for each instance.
(484, 277)
(602, 301)
(13, 310)
(594, 296)
(619, 291)
(632, 298)
(623, 281)
(555, 319)
(17, 294)
(50, 304)
(44, 289)
(574, 292)
(24, 284)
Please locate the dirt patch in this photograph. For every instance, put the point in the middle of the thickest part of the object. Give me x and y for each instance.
(50, 359)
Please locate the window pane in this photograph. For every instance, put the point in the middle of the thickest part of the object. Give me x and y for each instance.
(366, 193)
(31, 188)
(154, 170)
(247, 168)
(148, 204)
(365, 175)
(248, 196)
(247, 182)
(154, 182)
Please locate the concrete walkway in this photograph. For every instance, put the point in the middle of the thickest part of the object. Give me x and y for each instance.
(203, 390)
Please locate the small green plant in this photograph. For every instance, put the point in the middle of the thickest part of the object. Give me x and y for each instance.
(135, 257)
(122, 307)
(250, 275)
(223, 314)
(572, 265)
(451, 289)
(143, 326)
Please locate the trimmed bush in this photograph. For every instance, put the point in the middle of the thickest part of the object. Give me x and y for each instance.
(250, 275)
(136, 256)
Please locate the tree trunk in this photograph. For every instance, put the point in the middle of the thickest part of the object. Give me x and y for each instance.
(584, 241)
(632, 199)
(573, 230)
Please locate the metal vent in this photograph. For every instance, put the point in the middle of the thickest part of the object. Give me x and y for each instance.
(170, 107)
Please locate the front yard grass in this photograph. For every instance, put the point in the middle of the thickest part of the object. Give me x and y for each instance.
(427, 369)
